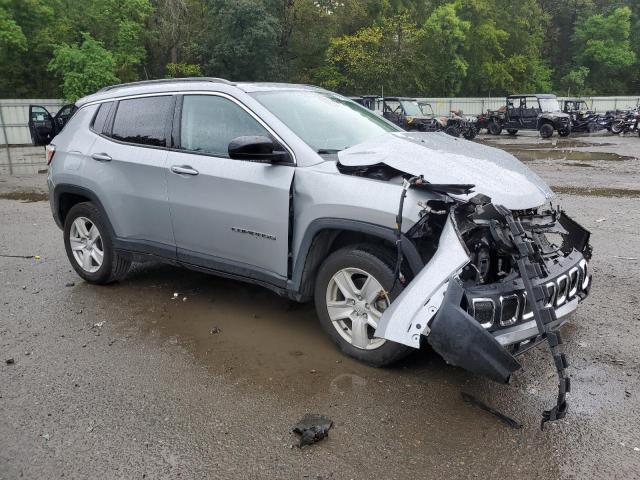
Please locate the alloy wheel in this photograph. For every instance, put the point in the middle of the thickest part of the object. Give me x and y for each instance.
(355, 303)
(86, 244)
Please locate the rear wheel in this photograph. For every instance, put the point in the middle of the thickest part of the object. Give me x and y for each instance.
(617, 127)
(546, 130)
(89, 246)
(353, 289)
(494, 128)
(512, 131)
(471, 133)
(452, 130)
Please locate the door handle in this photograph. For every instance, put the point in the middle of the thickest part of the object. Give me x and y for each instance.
(184, 170)
(101, 157)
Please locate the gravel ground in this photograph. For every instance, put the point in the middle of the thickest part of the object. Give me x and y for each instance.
(126, 382)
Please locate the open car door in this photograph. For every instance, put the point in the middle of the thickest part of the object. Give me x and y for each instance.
(43, 127)
(40, 125)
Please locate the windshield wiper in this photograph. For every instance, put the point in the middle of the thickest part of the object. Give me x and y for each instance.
(328, 151)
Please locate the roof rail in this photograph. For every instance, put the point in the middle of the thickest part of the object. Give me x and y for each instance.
(166, 80)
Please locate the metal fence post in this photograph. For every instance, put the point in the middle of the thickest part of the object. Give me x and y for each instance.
(6, 141)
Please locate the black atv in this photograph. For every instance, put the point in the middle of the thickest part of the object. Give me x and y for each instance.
(583, 119)
(538, 111)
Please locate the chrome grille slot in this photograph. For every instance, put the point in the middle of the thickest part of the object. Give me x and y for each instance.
(483, 310)
(510, 308)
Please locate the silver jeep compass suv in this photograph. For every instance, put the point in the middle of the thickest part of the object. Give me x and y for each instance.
(399, 237)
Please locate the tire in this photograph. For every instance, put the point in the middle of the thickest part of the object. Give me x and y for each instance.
(564, 132)
(471, 133)
(617, 127)
(494, 128)
(353, 261)
(452, 130)
(512, 131)
(546, 130)
(88, 244)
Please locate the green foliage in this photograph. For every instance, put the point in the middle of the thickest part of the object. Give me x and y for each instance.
(603, 46)
(243, 41)
(83, 68)
(11, 36)
(440, 42)
(177, 70)
(406, 47)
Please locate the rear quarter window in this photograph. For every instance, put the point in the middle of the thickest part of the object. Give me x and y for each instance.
(100, 118)
(144, 121)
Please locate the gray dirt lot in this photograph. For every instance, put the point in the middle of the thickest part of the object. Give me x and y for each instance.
(125, 382)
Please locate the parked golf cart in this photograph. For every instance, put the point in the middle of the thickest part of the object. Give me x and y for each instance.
(43, 126)
(538, 111)
(583, 118)
(407, 114)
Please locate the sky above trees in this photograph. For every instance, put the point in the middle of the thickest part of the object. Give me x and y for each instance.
(69, 48)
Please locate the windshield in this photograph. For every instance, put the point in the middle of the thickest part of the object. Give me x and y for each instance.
(426, 109)
(549, 104)
(411, 107)
(324, 121)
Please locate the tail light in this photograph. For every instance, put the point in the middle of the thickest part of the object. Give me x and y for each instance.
(51, 150)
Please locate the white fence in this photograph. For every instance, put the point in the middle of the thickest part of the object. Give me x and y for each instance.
(17, 155)
(15, 136)
(475, 106)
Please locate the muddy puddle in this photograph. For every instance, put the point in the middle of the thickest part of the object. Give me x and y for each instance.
(26, 197)
(559, 150)
(250, 334)
(597, 191)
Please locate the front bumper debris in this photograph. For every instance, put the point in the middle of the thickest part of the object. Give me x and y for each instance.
(482, 327)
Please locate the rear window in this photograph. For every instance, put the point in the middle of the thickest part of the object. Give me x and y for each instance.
(143, 121)
(101, 117)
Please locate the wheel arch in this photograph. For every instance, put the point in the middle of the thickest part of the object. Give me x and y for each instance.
(326, 235)
(66, 196)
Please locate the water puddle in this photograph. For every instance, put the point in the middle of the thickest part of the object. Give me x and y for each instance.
(598, 192)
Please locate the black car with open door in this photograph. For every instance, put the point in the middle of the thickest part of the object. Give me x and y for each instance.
(43, 126)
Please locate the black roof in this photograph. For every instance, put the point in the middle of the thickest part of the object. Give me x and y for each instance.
(400, 98)
(537, 95)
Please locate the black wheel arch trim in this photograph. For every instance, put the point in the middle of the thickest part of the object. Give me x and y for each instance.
(64, 188)
(410, 252)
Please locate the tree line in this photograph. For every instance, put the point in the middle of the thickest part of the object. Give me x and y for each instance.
(69, 48)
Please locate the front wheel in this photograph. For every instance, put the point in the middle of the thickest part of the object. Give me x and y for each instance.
(546, 130)
(564, 132)
(353, 288)
(494, 128)
(512, 131)
(89, 246)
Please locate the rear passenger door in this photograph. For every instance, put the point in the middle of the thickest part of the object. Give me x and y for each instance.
(127, 166)
(230, 215)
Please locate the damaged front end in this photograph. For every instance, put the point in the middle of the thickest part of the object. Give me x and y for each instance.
(472, 301)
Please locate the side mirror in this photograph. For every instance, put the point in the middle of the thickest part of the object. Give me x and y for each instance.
(257, 148)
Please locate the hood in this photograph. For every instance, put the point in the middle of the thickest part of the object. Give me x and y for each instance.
(441, 158)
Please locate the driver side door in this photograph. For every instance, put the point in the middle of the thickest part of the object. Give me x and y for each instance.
(227, 215)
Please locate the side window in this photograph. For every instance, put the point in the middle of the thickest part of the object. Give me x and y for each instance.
(143, 120)
(209, 123)
(101, 117)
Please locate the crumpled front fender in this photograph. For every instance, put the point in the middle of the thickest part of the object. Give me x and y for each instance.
(430, 305)
(408, 316)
